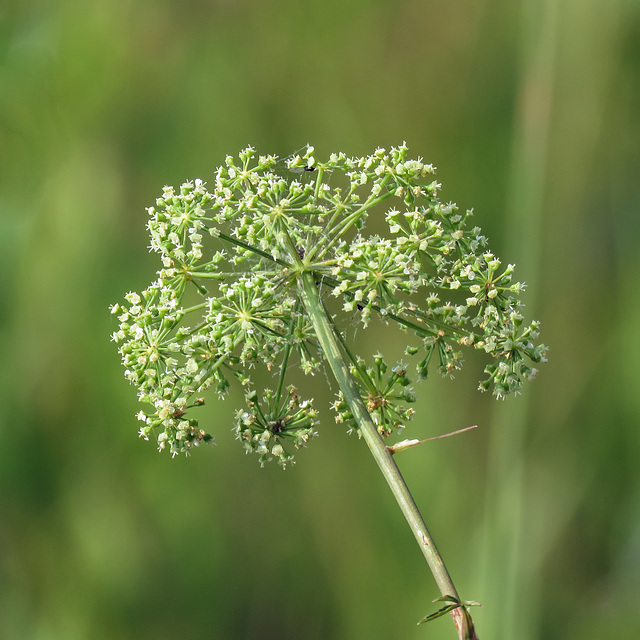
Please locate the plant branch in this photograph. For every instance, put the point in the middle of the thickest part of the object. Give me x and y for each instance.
(381, 453)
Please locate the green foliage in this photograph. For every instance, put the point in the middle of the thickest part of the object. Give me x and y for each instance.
(433, 275)
(528, 111)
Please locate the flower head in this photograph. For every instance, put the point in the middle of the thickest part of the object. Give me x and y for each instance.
(227, 298)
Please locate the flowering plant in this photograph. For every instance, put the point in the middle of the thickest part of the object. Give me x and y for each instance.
(249, 269)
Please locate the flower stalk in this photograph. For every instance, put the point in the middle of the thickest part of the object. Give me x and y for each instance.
(246, 268)
(379, 450)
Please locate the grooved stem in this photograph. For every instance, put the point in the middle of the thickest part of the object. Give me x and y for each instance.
(382, 455)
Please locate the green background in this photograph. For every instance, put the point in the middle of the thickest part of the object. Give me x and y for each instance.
(530, 111)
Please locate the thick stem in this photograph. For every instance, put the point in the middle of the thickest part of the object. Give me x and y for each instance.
(382, 455)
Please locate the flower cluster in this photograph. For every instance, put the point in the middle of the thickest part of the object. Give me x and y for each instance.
(384, 396)
(227, 298)
(272, 422)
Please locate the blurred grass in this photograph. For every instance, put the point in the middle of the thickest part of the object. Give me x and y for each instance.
(529, 109)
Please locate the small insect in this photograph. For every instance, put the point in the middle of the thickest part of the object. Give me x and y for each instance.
(277, 426)
(306, 167)
(295, 158)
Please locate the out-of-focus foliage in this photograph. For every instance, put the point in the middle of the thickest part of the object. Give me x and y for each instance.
(529, 110)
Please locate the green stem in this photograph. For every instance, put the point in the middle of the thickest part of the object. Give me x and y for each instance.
(285, 361)
(339, 229)
(256, 250)
(382, 455)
